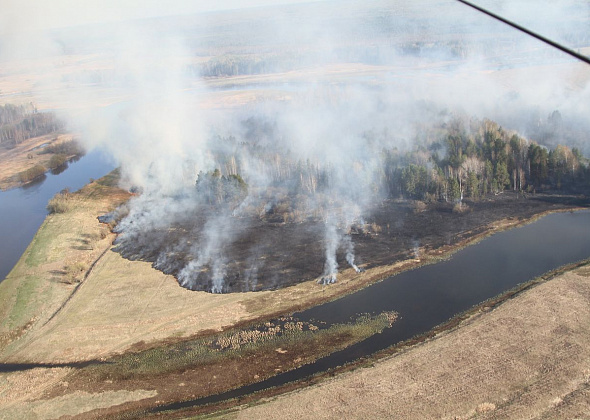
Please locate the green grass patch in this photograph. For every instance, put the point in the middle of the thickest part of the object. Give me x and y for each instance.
(23, 308)
(25, 294)
(37, 252)
(20, 291)
(111, 179)
(307, 342)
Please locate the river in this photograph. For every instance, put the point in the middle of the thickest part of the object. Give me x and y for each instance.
(22, 210)
(424, 297)
(430, 295)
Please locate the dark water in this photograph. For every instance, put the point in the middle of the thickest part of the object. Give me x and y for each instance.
(22, 210)
(430, 295)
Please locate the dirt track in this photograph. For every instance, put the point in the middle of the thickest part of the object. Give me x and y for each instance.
(529, 358)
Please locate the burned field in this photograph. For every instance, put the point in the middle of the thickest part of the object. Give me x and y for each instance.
(264, 255)
(273, 207)
(267, 253)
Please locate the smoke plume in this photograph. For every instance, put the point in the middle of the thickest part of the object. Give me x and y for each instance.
(260, 136)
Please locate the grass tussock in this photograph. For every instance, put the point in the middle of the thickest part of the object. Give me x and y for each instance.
(31, 173)
(60, 203)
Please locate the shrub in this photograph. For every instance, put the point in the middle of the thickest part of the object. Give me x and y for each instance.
(59, 203)
(32, 173)
(57, 160)
(68, 148)
(75, 272)
(419, 206)
(461, 208)
(375, 228)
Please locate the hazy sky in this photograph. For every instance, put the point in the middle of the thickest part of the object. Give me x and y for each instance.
(43, 14)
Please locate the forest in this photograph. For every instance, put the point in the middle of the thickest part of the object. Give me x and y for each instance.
(21, 122)
(460, 158)
(479, 158)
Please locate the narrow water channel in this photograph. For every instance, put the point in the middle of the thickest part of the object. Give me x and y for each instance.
(22, 210)
(432, 294)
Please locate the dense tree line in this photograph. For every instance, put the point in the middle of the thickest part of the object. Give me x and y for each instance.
(21, 122)
(217, 189)
(450, 161)
(234, 65)
(482, 159)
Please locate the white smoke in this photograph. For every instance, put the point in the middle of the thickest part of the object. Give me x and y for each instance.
(350, 81)
(332, 240)
(350, 257)
(416, 248)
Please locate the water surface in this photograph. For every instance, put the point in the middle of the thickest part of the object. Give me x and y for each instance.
(430, 295)
(22, 210)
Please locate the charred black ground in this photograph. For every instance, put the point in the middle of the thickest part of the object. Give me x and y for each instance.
(286, 253)
(267, 214)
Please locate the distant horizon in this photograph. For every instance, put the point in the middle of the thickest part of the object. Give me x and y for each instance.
(39, 16)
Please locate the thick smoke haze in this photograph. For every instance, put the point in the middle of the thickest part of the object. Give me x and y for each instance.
(297, 136)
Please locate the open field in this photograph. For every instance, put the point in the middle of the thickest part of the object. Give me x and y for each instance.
(528, 358)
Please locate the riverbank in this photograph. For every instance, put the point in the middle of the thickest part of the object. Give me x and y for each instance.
(52, 314)
(15, 161)
(526, 358)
